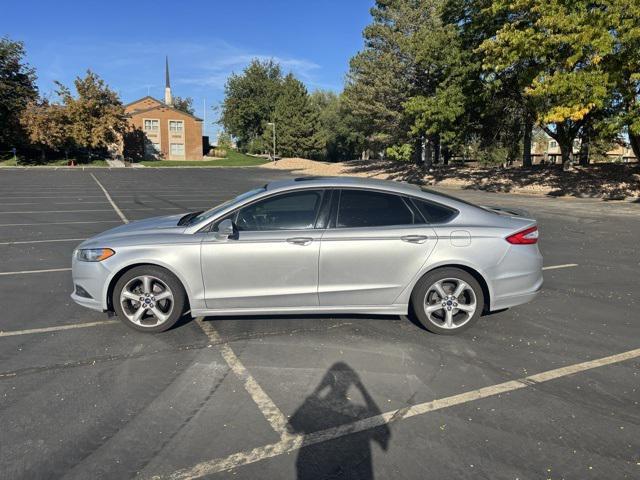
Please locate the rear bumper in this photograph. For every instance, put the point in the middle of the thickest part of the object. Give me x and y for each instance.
(517, 279)
(514, 300)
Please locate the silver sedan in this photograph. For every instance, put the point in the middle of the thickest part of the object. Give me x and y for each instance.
(315, 245)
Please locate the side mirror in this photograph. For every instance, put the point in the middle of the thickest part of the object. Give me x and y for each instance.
(226, 229)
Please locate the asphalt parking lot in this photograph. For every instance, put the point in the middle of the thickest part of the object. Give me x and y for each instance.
(550, 389)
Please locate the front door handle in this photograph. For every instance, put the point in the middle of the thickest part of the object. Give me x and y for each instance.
(414, 238)
(300, 240)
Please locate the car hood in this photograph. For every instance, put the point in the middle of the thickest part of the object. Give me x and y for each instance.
(156, 225)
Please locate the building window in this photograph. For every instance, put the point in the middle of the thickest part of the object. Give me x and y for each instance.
(176, 126)
(152, 125)
(177, 149)
(553, 144)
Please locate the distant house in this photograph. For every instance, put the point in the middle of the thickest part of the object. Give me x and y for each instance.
(169, 133)
(547, 149)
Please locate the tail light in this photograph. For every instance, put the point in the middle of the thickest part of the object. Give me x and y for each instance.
(524, 237)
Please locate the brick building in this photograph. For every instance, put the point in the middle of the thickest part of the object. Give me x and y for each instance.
(168, 133)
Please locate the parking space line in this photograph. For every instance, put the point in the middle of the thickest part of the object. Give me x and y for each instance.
(22, 242)
(54, 223)
(25, 272)
(113, 204)
(555, 267)
(292, 443)
(271, 412)
(71, 326)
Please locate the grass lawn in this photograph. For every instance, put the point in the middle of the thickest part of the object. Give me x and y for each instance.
(233, 159)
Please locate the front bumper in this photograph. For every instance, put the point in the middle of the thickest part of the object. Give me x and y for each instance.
(93, 277)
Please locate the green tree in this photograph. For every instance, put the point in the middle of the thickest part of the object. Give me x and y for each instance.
(96, 115)
(338, 130)
(48, 127)
(560, 45)
(623, 65)
(382, 77)
(297, 122)
(17, 90)
(183, 104)
(250, 100)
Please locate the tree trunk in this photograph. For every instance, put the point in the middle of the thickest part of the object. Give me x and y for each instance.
(526, 153)
(418, 154)
(634, 140)
(427, 153)
(436, 150)
(446, 155)
(566, 150)
(585, 145)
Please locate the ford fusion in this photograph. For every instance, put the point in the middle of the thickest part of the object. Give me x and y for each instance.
(315, 245)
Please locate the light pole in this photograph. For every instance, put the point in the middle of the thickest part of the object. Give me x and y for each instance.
(273, 126)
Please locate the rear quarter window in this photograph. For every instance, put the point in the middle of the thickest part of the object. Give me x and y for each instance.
(434, 212)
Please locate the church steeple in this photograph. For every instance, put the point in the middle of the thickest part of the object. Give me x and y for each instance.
(167, 86)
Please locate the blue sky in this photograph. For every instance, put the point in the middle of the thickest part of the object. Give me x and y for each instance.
(125, 42)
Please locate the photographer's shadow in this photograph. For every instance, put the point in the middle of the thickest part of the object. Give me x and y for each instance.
(346, 457)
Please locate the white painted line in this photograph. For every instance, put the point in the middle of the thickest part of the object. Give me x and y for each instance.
(295, 442)
(72, 326)
(271, 412)
(58, 211)
(554, 267)
(113, 204)
(22, 242)
(25, 272)
(54, 223)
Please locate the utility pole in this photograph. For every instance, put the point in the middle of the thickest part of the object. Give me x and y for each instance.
(273, 126)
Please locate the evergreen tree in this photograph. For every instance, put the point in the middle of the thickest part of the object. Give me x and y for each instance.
(17, 90)
(297, 122)
(339, 135)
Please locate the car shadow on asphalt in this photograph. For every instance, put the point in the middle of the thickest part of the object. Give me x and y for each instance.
(332, 404)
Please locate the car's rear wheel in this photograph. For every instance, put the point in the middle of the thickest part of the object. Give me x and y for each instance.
(447, 301)
(149, 298)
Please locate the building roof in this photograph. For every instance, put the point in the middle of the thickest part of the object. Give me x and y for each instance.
(158, 105)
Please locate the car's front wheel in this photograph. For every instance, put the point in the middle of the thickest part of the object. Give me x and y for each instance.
(149, 298)
(447, 301)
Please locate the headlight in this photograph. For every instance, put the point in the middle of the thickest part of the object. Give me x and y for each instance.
(94, 254)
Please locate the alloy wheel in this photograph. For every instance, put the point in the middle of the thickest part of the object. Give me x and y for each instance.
(147, 301)
(450, 303)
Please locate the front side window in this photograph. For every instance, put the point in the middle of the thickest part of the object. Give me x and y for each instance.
(176, 126)
(290, 211)
(372, 209)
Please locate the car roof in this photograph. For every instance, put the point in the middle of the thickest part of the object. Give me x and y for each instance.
(344, 182)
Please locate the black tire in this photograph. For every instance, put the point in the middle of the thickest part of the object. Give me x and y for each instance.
(178, 300)
(448, 274)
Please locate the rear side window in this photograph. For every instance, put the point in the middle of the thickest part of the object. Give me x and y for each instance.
(434, 212)
(372, 209)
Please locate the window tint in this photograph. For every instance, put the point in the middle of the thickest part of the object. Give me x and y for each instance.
(285, 212)
(372, 209)
(433, 212)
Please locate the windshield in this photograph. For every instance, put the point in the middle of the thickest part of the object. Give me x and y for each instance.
(218, 208)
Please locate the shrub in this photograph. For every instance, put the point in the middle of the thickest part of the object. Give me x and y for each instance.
(401, 153)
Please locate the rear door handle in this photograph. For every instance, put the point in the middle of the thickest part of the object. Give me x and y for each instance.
(300, 240)
(414, 238)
